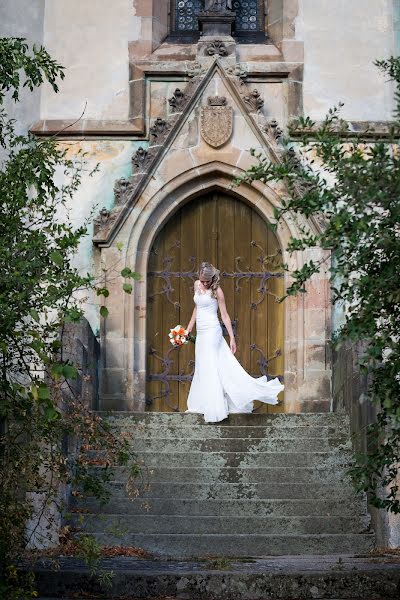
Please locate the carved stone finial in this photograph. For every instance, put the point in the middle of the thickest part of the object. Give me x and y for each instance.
(101, 220)
(273, 130)
(140, 158)
(195, 69)
(254, 100)
(237, 70)
(217, 100)
(159, 127)
(292, 158)
(216, 47)
(120, 188)
(177, 99)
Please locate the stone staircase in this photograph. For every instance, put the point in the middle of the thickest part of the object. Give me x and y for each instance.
(250, 486)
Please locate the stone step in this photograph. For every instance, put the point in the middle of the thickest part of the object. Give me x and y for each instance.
(242, 459)
(270, 444)
(247, 432)
(166, 419)
(213, 507)
(243, 475)
(242, 545)
(232, 491)
(149, 523)
(333, 577)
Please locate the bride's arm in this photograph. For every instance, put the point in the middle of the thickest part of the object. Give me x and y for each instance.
(226, 318)
(192, 320)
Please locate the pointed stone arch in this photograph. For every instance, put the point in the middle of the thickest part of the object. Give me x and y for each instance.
(307, 326)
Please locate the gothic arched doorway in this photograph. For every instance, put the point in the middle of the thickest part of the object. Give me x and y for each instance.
(234, 237)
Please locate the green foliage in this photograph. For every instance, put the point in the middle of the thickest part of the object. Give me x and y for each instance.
(46, 430)
(14, 58)
(90, 551)
(352, 185)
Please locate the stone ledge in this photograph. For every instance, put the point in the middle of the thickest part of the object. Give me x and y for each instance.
(357, 129)
(88, 127)
(270, 578)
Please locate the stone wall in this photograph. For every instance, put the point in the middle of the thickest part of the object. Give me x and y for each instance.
(340, 39)
(350, 395)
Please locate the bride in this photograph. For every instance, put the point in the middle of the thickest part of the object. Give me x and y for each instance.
(220, 384)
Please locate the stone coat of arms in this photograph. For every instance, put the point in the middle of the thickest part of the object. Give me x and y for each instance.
(216, 121)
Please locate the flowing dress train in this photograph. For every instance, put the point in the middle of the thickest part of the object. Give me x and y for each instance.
(220, 384)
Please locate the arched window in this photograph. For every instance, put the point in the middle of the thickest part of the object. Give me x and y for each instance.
(249, 24)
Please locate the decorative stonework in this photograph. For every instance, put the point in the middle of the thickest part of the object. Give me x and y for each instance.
(141, 158)
(120, 188)
(159, 128)
(178, 99)
(216, 121)
(237, 70)
(216, 47)
(254, 101)
(273, 130)
(103, 221)
(195, 69)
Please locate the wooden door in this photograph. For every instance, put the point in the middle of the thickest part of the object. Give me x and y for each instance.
(232, 236)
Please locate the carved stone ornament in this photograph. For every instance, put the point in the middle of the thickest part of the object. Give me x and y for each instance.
(141, 158)
(103, 221)
(195, 69)
(120, 189)
(273, 130)
(237, 70)
(216, 47)
(254, 101)
(178, 99)
(216, 121)
(158, 128)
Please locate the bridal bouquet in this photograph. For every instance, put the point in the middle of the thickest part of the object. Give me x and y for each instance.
(179, 336)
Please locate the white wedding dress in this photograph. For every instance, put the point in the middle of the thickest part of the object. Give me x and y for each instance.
(220, 384)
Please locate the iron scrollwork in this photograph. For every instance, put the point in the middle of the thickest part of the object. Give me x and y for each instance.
(273, 260)
(166, 376)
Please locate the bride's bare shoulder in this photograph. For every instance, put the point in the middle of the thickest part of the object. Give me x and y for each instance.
(220, 293)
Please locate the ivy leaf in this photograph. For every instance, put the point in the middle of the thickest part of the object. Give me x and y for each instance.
(73, 315)
(127, 287)
(35, 315)
(104, 311)
(103, 292)
(57, 258)
(56, 370)
(69, 372)
(126, 272)
(51, 414)
(43, 392)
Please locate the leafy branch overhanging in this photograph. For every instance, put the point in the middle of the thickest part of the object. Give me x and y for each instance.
(351, 183)
(47, 429)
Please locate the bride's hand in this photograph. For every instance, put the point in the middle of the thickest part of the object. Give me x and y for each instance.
(233, 345)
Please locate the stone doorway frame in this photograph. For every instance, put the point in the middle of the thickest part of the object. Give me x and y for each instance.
(307, 369)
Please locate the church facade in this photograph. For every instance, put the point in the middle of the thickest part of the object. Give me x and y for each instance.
(170, 97)
(174, 95)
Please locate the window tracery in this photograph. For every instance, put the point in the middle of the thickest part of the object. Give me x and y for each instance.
(249, 22)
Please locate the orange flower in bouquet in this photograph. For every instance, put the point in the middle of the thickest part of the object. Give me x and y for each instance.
(178, 336)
